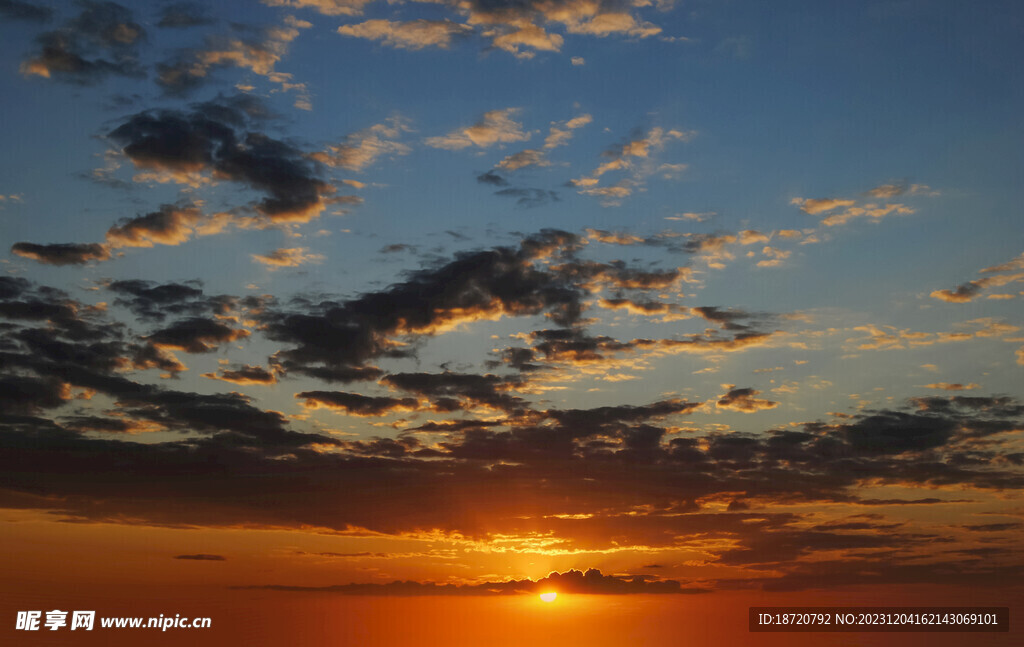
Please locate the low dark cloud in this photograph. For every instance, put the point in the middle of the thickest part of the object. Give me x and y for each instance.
(17, 10)
(211, 139)
(101, 41)
(62, 253)
(196, 335)
(475, 285)
(592, 582)
(152, 301)
(492, 178)
(181, 15)
(528, 198)
(744, 400)
(244, 375)
(356, 404)
(202, 557)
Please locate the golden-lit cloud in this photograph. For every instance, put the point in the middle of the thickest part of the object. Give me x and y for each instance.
(62, 253)
(816, 206)
(495, 127)
(326, 7)
(955, 386)
(413, 34)
(244, 376)
(530, 157)
(361, 149)
(287, 257)
(743, 400)
(634, 156)
(170, 225)
(967, 292)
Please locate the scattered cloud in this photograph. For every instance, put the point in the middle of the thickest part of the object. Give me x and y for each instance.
(287, 257)
(495, 127)
(412, 34)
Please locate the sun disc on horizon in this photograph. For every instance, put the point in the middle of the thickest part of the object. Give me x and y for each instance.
(548, 597)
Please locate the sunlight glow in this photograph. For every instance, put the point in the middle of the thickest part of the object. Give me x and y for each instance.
(548, 597)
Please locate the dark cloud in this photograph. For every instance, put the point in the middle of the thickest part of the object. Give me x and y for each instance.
(196, 335)
(100, 424)
(395, 248)
(62, 253)
(17, 10)
(744, 400)
(476, 285)
(355, 404)
(155, 301)
(529, 198)
(169, 225)
(897, 432)
(202, 557)
(450, 391)
(584, 478)
(210, 140)
(181, 15)
(244, 375)
(974, 573)
(101, 41)
(727, 318)
(20, 394)
(492, 178)
(593, 582)
(992, 527)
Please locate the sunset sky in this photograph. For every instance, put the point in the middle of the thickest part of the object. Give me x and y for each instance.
(351, 321)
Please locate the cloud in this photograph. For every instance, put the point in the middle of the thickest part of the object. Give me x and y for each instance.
(874, 211)
(326, 7)
(495, 127)
(956, 386)
(664, 311)
(744, 400)
(155, 301)
(456, 391)
(182, 15)
(529, 198)
(530, 157)
(244, 375)
(257, 49)
(202, 557)
(520, 28)
(101, 41)
(361, 149)
(209, 142)
(592, 582)
(17, 10)
(559, 135)
(355, 404)
(62, 253)
(480, 285)
(888, 191)
(632, 156)
(490, 177)
(413, 34)
(814, 207)
(196, 335)
(287, 257)
(967, 292)
(170, 225)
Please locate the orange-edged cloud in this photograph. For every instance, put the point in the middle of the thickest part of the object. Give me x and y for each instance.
(744, 400)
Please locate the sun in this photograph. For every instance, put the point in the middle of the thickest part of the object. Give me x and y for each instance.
(549, 596)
